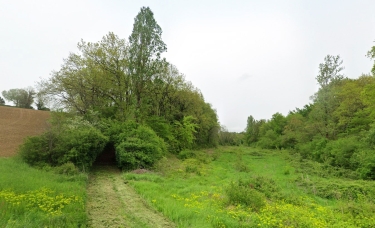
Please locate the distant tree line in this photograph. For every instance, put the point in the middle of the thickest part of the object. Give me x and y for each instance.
(24, 98)
(337, 128)
(126, 95)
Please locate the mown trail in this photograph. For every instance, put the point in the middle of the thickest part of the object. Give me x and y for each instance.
(112, 203)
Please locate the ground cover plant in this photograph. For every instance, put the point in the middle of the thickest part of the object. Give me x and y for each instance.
(208, 189)
(32, 197)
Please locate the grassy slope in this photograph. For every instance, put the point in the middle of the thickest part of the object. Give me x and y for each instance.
(36, 198)
(192, 193)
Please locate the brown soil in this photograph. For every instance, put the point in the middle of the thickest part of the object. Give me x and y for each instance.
(18, 123)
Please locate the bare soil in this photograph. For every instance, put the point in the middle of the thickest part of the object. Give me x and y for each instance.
(18, 123)
(113, 203)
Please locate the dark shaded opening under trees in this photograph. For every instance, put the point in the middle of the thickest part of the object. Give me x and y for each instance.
(107, 157)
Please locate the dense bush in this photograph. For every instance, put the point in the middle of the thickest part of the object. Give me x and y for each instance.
(239, 193)
(340, 152)
(139, 148)
(337, 188)
(271, 140)
(74, 140)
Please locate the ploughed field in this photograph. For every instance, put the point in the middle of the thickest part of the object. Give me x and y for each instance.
(18, 123)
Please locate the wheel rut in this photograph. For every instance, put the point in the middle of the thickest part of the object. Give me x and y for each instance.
(113, 203)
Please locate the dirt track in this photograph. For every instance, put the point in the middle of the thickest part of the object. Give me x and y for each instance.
(18, 123)
(112, 203)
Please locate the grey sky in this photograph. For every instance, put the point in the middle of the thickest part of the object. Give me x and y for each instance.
(247, 57)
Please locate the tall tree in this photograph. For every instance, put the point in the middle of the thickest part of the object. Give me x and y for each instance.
(330, 70)
(371, 55)
(94, 79)
(2, 102)
(325, 100)
(252, 131)
(146, 47)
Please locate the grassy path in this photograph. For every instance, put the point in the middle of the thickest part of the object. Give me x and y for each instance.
(112, 203)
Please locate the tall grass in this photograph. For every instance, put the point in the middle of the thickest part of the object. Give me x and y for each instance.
(246, 187)
(35, 198)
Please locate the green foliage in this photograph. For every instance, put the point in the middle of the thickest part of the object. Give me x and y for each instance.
(72, 140)
(145, 48)
(184, 132)
(129, 81)
(114, 129)
(240, 165)
(139, 148)
(285, 201)
(263, 184)
(340, 152)
(242, 194)
(227, 138)
(22, 98)
(2, 102)
(200, 155)
(329, 71)
(270, 140)
(252, 131)
(31, 197)
(371, 55)
(337, 189)
(68, 169)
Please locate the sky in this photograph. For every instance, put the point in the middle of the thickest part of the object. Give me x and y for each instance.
(253, 57)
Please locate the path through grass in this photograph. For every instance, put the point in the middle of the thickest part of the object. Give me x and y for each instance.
(113, 203)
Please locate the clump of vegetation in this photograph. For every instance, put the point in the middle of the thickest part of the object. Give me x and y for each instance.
(337, 189)
(240, 165)
(68, 169)
(242, 193)
(73, 140)
(139, 148)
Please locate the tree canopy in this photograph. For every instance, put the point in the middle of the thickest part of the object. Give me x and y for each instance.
(337, 128)
(22, 98)
(139, 102)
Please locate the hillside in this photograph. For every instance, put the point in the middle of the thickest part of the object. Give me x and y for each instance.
(16, 124)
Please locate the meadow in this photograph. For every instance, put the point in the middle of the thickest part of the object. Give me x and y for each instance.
(32, 197)
(246, 187)
(223, 187)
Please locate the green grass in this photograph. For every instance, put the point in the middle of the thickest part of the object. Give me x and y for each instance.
(217, 190)
(35, 198)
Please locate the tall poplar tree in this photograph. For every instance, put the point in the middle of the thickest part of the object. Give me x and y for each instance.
(146, 47)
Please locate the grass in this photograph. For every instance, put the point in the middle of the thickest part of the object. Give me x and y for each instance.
(217, 190)
(35, 198)
(226, 187)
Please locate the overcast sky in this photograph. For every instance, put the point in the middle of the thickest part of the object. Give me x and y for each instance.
(247, 57)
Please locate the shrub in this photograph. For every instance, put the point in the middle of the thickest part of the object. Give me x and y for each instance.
(185, 154)
(240, 194)
(271, 140)
(68, 169)
(35, 151)
(76, 141)
(339, 152)
(313, 149)
(139, 148)
(115, 130)
(80, 146)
